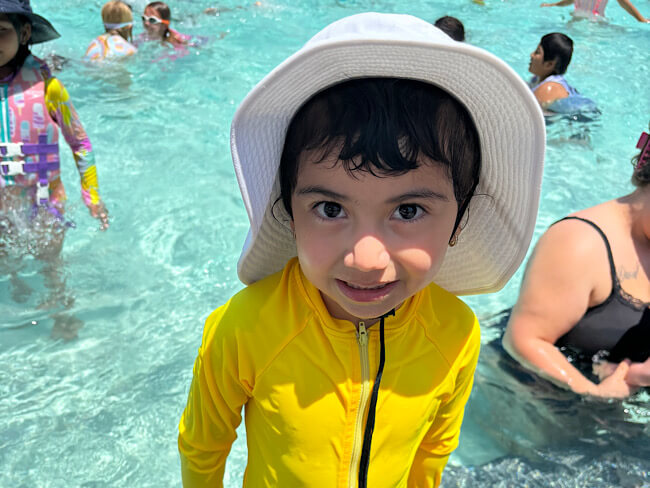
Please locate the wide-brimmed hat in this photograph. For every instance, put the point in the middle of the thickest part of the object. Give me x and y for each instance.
(509, 121)
(42, 30)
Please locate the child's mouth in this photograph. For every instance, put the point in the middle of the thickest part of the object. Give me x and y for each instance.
(365, 293)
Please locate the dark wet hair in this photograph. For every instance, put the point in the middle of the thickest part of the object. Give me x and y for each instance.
(641, 175)
(452, 27)
(559, 48)
(161, 9)
(18, 20)
(381, 126)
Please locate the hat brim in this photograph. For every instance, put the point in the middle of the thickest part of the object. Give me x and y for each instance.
(510, 124)
(42, 30)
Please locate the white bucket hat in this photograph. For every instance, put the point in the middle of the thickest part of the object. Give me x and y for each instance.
(509, 121)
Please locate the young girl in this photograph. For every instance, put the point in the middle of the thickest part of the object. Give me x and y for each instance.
(377, 159)
(35, 104)
(115, 42)
(156, 19)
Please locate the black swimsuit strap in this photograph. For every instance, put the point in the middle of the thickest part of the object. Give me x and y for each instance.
(610, 256)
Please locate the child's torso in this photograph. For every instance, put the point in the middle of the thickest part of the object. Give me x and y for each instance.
(28, 134)
(312, 379)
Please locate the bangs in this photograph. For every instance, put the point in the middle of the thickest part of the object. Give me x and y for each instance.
(383, 126)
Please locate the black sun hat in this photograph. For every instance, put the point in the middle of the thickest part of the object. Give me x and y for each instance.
(42, 30)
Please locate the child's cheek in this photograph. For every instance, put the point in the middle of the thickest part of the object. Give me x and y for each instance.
(313, 245)
(420, 259)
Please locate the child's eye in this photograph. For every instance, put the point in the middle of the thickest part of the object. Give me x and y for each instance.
(329, 210)
(408, 211)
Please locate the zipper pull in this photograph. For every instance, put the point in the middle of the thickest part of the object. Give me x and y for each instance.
(362, 334)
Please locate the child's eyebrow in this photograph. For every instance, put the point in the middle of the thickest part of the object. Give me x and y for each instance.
(417, 194)
(308, 190)
(420, 193)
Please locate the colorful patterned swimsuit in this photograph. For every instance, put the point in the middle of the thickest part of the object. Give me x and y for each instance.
(109, 46)
(33, 104)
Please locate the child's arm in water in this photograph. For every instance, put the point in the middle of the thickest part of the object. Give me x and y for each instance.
(208, 425)
(63, 113)
(561, 3)
(442, 438)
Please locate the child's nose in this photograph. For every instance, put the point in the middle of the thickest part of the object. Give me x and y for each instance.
(368, 253)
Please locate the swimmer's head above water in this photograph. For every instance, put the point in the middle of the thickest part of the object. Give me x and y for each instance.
(118, 18)
(156, 19)
(552, 56)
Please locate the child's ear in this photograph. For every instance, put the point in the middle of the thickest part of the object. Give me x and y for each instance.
(25, 33)
(293, 228)
(550, 65)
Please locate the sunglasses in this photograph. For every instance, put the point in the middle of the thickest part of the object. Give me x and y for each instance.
(154, 20)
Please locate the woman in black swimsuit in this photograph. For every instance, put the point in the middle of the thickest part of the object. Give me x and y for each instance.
(586, 287)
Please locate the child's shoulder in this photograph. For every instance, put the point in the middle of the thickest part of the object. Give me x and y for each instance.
(37, 64)
(271, 310)
(449, 322)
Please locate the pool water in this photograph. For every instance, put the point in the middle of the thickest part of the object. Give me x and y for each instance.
(101, 409)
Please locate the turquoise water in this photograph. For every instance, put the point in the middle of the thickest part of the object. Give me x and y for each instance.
(102, 409)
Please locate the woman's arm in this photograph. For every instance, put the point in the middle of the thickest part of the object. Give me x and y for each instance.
(631, 9)
(560, 282)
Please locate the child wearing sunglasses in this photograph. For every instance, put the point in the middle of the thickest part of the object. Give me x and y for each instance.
(115, 42)
(383, 174)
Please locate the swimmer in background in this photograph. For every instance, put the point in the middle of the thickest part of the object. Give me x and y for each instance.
(156, 22)
(156, 19)
(548, 63)
(595, 9)
(115, 42)
(32, 195)
(451, 26)
(585, 288)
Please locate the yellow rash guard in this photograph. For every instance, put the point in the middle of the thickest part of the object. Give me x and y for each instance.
(305, 378)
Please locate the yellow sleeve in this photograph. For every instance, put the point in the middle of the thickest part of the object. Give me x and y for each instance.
(208, 425)
(64, 114)
(442, 437)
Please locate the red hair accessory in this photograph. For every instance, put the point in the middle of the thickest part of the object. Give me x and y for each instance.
(644, 145)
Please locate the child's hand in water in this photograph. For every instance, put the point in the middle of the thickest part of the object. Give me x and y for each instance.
(639, 374)
(98, 211)
(603, 369)
(615, 385)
